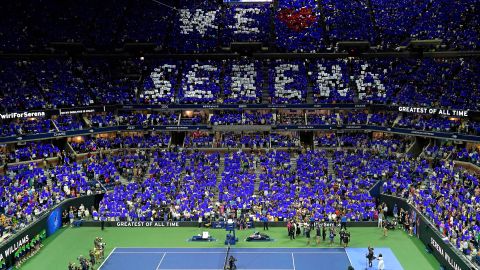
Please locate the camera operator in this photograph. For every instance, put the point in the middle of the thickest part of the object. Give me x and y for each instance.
(102, 248)
(346, 238)
(92, 257)
(370, 256)
(83, 263)
(99, 248)
(231, 263)
(96, 242)
(341, 234)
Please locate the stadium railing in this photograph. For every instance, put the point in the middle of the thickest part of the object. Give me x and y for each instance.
(50, 221)
(444, 251)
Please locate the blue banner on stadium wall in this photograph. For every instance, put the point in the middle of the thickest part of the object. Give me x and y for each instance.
(54, 221)
(375, 190)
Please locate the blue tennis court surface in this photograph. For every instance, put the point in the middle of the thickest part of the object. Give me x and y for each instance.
(359, 261)
(247, 258)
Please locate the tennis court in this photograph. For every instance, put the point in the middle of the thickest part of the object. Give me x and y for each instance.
(247, 258)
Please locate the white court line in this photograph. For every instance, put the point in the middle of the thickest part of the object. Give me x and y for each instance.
(350, 261)
(318, 248)
(199, 269)
(158, 265)
(111, 252)
(139, 252)
(293, 261)
(219, 252)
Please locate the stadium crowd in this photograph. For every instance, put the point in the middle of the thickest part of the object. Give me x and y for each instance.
(272, 176)
(203, 26)
(28, 85)
(182, 185)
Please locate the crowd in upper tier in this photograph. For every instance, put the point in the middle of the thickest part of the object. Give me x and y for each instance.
(26, 126)
(52, 84)
(449, 151)
(97, 144)
(32, 151)
(186, 26)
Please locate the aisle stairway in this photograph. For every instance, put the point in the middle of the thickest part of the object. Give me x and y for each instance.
(221, 169)
(331, 170)
(147, 175)
(258, 171)
(265, 83)
(123, 180)
(49, 182)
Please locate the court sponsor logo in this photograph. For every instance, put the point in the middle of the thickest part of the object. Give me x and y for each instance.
(444, 254)
(11, 249)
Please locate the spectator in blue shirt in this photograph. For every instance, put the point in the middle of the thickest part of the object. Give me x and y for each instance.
(265, 223)
(343, 222)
